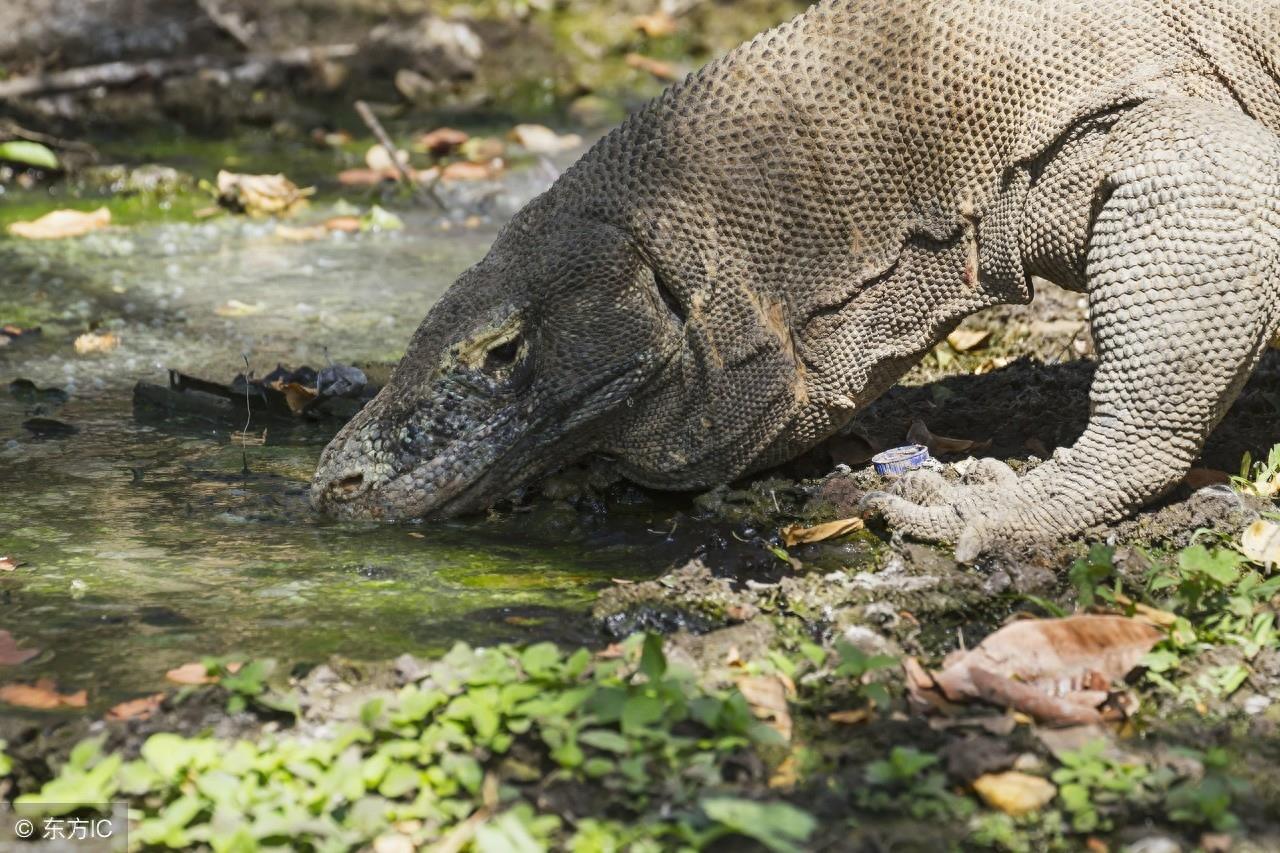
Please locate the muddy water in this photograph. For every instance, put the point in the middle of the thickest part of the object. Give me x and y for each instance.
(151, 541)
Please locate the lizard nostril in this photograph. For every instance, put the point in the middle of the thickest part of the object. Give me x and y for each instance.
(347, 486)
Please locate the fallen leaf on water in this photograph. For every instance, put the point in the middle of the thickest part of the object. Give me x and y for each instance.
(799, 535)
(537, 139)
(236, 308)
(649, 65)
(62, 223)
(142, 708)
(344, 224)
(95, 342)
(8, 564)
(378, 159)
(260, 195)
(1015, 793)
(299, 397)
(10, 654)
(1056, 670)
(190, 673)
(442, 140)
(941, 445)
(655, 25)
(42, 696)
(767, 696)
(465, 170)
(365, 177)
(483, 149)
(306, 234)
(1260, 542)
(964, 340)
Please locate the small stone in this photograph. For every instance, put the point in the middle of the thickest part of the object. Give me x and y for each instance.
(1015, 793)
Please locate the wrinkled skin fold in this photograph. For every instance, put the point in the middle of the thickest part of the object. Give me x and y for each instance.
(723, 281)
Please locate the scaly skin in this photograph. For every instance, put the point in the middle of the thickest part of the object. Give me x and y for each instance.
(720, 283)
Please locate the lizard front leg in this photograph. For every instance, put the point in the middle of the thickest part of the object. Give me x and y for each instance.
(1183, 272)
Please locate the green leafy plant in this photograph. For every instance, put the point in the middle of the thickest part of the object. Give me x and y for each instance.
(1090, 783)
(1206, 801)
(906, 782)
(858, 668)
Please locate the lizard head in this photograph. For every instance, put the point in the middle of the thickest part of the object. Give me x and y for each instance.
(534, 358)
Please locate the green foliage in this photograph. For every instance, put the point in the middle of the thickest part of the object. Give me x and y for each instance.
(26, 153)
(1088, 573)
(457, 744)
(857, 666)
(1205, 802)
(1091, 783)
(1261, 479)
(6, 763)
(907, 783)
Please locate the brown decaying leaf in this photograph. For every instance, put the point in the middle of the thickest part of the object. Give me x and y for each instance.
(799, 535)
(365, 177)
(8, 564)
(42, 696)
(344, 224)
(767, 696)
(649, 65)
(850, 718)
(1147, 613)
(964, 340)
(539, 139)
(260, 195)
(94, 342)
(10, 654)
(465, 170)
(1015, 793)
(190, 673)
(940, 445)
(142, 708)
(62, 223)
(442, 140)
(298, 396)
(1056, 670)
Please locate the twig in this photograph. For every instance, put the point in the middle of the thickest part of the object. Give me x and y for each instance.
(12, 130)
(371, 121)
(124, 73)
(229, 23)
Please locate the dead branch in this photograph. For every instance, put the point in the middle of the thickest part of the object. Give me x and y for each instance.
(114, 74)
(380, 133)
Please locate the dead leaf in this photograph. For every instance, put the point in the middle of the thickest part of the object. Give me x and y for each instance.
(190, 673)
(767, 696)
(1056, 670)
(1147, 613)
(10, 654)
(1198, 478)
(366, 177)
(260, 195)
(1260, 542)
(379, 160)
(299, 397)
(658, 24)
(537, 139)
(649, 65)
(236, 308)
(940, 445)
(42, 696)
(8, 564)
(799, 535)
(964, 340)
(442, 140)
(991, 364)
(850, 718)
(62, 223)
(306, 234)
(465, 170)
(94, 342)
(1015, 793)
(142, 708)
(344, 224)
(483, 149)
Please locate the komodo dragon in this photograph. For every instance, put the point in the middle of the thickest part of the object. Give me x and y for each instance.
(725, 279)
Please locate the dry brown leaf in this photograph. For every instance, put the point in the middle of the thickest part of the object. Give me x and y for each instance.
(379, 160)
(190, 673)
(95, 342)
(442, 140)
(366, 177)
(1074, 709)
(537, 139)
(1198, 478)
(850, 718)
(658, 24)
(767, 696)
(1260, 542)
(344, 224)
(799, 535)
(298, 396)
(142, 708)
(940, 445)
(465, 170)
(964, 340)
(1147, 613)
(8, 564)
(10, 654)
(260, 195)
(62, 223)
(649, 65)
(1015, 793)
(42, 696)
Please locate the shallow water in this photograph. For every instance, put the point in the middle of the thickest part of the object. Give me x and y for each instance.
(151, 541)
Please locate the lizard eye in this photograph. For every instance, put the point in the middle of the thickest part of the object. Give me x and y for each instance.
(503, 355)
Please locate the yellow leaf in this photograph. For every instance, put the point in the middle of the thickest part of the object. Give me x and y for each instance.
(798, 535)
(963, 340)
(1260, 542)
(62, 223)
(1015, 793)
(92, 342)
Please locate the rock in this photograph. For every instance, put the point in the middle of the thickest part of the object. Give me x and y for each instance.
(436, 49)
